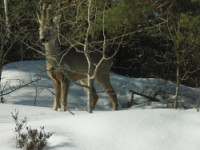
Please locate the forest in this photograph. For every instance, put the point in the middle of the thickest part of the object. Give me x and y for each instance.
(153, 47)
(151, 39)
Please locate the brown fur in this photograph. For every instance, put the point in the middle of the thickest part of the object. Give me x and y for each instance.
(71, 67)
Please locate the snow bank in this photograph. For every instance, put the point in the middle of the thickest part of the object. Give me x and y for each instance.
(20, 73)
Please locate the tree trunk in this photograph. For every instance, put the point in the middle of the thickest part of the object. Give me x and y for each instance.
(177, 86)
(89, 101)
(177, 75)
(198, 103)
(87, 55)
(1, 67)
(7, 18)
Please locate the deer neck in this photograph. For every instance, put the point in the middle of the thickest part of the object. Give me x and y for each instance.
(52, 48)
(53, 52)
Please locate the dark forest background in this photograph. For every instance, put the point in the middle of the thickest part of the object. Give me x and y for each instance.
(155, 38)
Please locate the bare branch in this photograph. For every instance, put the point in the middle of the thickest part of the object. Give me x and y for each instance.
(19, 87)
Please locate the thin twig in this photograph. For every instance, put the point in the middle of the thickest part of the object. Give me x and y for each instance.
(19, 87)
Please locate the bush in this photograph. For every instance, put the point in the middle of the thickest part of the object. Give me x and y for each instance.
(27, 138)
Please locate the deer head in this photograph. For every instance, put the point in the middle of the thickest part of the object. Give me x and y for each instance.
(48, 30)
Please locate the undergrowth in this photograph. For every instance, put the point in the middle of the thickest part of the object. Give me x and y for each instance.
(28, 138)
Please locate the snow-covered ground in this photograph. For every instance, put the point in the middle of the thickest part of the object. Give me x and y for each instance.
(138, 128)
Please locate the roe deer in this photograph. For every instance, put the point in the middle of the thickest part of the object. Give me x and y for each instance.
(64, 64)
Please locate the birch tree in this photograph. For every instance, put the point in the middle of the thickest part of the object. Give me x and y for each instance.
(7, 38)
(84, 26)
(86, 52)
(181, 32)
(5, 35)
(7, 18)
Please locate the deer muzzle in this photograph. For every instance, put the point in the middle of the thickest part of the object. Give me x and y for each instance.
(42, 40)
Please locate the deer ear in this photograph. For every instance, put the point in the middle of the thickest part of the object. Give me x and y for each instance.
(56, 19)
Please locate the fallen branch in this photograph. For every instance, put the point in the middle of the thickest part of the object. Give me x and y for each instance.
(151, 98)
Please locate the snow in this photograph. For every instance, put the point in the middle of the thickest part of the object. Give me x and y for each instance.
(141, 127)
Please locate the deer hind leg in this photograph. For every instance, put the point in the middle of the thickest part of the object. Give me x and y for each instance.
(84, 82)
(104, 81)
(57, 87)
(64, 91)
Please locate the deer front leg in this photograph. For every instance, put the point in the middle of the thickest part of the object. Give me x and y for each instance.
(64, 91)
(57, 88)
